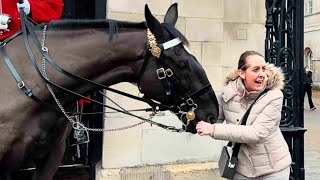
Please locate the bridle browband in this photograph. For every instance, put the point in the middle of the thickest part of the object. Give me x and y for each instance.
(27, 30)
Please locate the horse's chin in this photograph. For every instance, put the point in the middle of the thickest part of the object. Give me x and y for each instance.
(193, 131)
(191, 128)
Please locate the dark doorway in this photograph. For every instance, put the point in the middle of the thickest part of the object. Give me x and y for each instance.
(80, 159)
(83, 158)
(84, 9)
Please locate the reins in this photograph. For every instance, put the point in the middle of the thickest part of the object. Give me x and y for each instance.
(164, 74)
(156, 106)
(26, 29)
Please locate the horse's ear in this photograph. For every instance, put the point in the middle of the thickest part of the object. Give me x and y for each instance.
(152, 23)
(171, 16)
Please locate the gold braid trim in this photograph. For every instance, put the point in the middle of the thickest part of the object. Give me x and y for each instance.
(154, 49)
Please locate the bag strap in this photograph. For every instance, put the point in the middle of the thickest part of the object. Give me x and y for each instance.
(236, 147)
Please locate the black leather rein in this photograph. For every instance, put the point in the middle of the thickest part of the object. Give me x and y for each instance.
(27, 30)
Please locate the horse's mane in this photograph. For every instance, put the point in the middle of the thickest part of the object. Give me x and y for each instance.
(94, 23)
(112, 25)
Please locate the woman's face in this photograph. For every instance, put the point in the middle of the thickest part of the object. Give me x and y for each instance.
(254, 77)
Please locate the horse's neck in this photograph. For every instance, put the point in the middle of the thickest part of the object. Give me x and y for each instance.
(87, 53)
(90, 53)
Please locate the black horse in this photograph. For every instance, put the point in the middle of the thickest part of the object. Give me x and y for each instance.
(150, 54)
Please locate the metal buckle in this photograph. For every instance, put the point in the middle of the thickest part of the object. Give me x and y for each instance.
(231, 165)
(232, 162)
(172, 128)
(2, 44)
(21, 84)
(190, 102)
(161, 73)
(169, 72)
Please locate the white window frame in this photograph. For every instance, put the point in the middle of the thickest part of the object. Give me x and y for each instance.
(310, 60)
(309, 7)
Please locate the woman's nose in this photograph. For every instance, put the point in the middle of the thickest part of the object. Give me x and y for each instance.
(262, 74)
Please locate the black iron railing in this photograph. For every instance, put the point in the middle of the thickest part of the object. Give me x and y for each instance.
(284, 47)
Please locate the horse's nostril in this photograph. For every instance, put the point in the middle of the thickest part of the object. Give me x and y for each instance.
(211, 119)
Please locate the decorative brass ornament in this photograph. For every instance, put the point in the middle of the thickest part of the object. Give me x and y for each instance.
(154, 49)
(190, 115)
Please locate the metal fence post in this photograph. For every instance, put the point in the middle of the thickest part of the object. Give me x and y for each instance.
(284, 47)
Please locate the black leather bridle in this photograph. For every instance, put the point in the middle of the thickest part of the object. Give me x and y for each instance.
(168, 80)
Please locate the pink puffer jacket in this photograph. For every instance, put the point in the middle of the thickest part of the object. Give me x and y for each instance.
(264, 149)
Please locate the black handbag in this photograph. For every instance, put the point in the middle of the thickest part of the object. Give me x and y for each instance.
(229, 155)
(227, 162)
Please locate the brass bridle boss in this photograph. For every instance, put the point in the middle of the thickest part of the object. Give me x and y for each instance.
(156, 52)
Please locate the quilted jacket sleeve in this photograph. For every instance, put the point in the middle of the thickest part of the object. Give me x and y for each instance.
(265, 122)
(46, 10)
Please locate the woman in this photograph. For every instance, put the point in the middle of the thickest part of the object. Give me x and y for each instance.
(308, 87)
(38, 10)
(264, 153)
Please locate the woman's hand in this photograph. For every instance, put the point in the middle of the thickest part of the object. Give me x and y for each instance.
(204, 128)
(25, 5)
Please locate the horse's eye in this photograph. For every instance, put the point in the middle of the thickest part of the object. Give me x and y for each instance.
(183, 64)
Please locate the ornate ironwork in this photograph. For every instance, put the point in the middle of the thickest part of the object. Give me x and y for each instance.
(284, 48)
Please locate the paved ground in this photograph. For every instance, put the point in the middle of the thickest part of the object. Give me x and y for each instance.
(312, 138)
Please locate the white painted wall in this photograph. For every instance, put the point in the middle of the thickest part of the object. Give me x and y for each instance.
(311, 38)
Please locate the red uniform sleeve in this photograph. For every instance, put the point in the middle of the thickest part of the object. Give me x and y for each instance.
(83, 101)
(46, 10)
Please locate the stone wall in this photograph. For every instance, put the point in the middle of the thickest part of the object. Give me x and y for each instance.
(218, 32)
(311, 38)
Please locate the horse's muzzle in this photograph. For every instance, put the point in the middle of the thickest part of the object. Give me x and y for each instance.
(211, 119)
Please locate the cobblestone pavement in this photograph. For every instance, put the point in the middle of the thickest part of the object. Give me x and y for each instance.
(312, 138)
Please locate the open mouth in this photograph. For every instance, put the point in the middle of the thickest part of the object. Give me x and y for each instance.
(259, 82)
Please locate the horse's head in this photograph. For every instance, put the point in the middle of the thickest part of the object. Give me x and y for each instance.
(173, 76)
